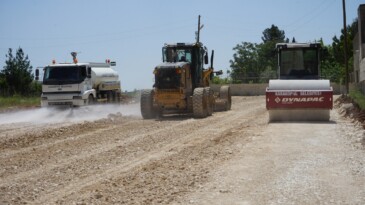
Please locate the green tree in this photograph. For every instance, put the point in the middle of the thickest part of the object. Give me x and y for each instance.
(330, 69)
(17, 73)
(273, 34)
(245, 63)
(3, 85)
(267, 56)
(220, 81)
(332, 56)
(257, 62)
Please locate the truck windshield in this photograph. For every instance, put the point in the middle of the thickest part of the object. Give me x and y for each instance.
(173, 54)
(301, 63)
(64, 74)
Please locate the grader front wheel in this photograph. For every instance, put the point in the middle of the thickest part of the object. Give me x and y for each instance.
(200, 101)
(147, 110)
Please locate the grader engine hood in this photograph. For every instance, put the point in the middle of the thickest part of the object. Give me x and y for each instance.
(168, 75)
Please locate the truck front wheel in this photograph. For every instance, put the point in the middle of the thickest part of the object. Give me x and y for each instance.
(90, 100)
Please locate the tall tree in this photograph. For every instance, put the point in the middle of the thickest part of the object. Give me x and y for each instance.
(267, 56)
(17, 73)
(330, 69)
(252, 61)
(245, 63)
(273, 34)
(336, 51)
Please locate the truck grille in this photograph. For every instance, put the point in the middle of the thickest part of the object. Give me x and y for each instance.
(60, 103)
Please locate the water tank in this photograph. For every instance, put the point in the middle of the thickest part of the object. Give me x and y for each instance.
(102, 75)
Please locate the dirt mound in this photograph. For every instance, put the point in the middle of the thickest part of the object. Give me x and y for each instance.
(350, 109)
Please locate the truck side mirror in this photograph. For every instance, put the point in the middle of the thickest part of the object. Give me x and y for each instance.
(88, 72)
(37, 74)
(206, 61)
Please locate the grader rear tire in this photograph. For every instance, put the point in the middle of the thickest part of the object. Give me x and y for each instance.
(220, 105)
(210, 100)
(147, 110)
(200, 103)
(225, 94)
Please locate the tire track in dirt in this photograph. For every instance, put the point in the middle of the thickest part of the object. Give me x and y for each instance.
(164, 180)
(182, 144)
(91, 179)
(121, 154)
(97, 150)
(53, 148)
(91, 130)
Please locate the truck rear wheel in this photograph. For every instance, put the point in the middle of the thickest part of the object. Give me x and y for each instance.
(200, 101)
(117, 96)
(225, 94)
(147, 110)
(109, 96)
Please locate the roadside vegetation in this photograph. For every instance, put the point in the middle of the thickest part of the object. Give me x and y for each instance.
(358, 98)
(8, 103)
(18, 89)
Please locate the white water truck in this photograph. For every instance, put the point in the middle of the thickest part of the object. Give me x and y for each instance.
(299, 94)
(78, 84)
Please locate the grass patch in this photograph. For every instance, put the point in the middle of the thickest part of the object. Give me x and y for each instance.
(358, 97)
(19, 101)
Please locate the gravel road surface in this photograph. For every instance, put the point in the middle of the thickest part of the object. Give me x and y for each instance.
(109, 155)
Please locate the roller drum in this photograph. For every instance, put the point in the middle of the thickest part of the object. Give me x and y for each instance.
(299, 85)
(299, 100)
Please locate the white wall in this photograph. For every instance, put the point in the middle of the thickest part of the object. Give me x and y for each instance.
(260, 89)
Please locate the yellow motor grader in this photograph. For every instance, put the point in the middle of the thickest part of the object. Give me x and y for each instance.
(182, 84)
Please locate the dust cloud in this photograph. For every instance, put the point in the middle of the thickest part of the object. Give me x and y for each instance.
(57, 115)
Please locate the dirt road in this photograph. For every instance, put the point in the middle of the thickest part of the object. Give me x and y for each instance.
(233, 157)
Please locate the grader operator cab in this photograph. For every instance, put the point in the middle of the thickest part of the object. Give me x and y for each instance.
(182, 84)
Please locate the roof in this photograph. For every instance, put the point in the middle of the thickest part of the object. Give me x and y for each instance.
(297, 45)
(91, 64)
(182, 44)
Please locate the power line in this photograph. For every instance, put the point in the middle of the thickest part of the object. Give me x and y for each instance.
(314, 16)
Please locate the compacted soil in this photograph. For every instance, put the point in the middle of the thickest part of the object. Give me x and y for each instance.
(110, 155)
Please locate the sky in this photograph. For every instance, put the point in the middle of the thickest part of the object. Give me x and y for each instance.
(132, 32)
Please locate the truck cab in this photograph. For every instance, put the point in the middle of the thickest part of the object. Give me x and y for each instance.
(78, 84)
(66, 84)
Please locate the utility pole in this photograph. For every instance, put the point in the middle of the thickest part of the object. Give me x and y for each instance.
(197, 33)
(197, 37)
(345, 46)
